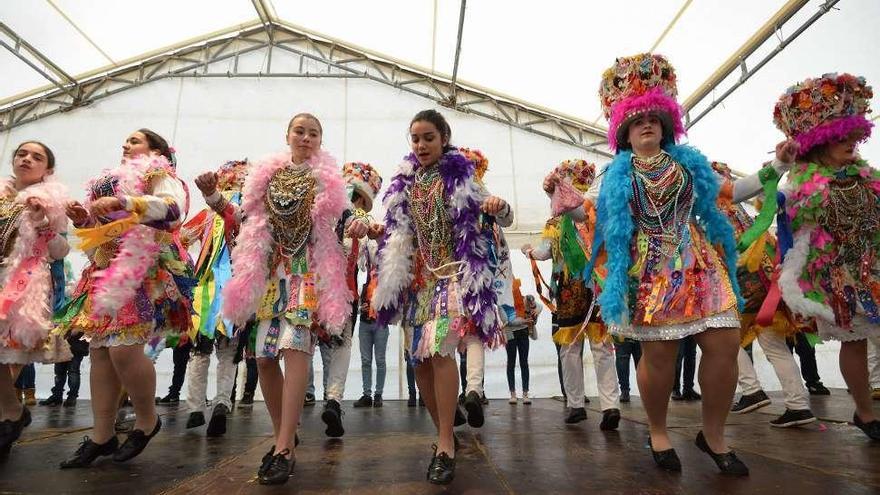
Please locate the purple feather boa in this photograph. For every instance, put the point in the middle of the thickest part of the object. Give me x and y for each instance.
(464, 198)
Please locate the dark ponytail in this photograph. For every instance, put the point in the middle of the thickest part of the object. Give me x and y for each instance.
(158, 143)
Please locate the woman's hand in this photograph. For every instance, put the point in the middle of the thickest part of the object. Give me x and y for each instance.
(550, 183)
(207, 183)
(357, 229)
(376, 231)
(493, 205)
(787, 151)
(526, 249)
(104, 206)
(37, 212)
(77, 213)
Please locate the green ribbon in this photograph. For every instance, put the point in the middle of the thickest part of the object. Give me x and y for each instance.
(770, 182)
(572, 253)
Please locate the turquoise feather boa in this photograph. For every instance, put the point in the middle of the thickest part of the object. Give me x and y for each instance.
(615, 219)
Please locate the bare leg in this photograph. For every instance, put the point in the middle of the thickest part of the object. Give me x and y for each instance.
(272, 386)
(425, 380)
(10, 406)
(296, 375)
(446, 396)
(718, 374)
(138, 376)
(854, 368)
(655, 374)
(106, 389)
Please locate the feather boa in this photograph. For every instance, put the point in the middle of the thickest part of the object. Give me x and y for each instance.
(615, 219)
(138, 250)
(250, 265)
(833, 130)
(792, 268)
(29, 320)
(397, 246)
(653, 100)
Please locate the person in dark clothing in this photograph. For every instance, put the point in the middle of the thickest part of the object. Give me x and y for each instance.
(624, 350)
(686, 362)
(68, 373)
(809, 369)
(181, 359)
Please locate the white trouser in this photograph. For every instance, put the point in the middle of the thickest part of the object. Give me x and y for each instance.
(606, 374)
(874, 361)
(573, 373)
(783, 364)
(336, 359)
(197, 376)
(476, 364)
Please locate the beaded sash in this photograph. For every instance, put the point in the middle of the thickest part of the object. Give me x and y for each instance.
(10, 215)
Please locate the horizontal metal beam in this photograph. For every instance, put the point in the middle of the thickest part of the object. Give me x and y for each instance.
(316, 58)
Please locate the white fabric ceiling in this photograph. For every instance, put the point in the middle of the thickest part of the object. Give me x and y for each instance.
(549, 53)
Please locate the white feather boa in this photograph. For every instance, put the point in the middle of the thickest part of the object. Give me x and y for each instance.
(792, 268)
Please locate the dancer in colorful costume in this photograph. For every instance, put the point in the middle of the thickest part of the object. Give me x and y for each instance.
(362, 185)
(832, 271)
(671, 253)
(570, 244)
(32, 236)
(136, 288)
(474, 352)
(755, 275)
(434, 273)
(288, 270)
(215, 228)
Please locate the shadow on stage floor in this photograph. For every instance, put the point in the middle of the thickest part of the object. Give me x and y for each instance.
(521, 449)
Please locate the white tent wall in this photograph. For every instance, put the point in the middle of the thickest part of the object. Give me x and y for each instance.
(213, 120)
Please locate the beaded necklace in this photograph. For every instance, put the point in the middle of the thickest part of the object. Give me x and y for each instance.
(432, 222)
(663, 197)
(289, 202)
(10, 214)
(852, 217)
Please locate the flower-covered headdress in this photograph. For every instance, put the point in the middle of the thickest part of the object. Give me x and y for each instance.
(481, 163)
(231, 175)
(364, 179)
(578, 173)
(637, 85)
(829, 108)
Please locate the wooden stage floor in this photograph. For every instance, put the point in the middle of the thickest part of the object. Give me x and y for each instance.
(521, 449)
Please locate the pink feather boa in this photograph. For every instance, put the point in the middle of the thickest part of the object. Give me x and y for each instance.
(653, 100)
(29, 320)
(833, 130)
(138, 251)
(250, 257)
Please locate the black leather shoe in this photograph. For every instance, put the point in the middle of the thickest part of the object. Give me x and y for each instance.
(217, 425)
(576, 415)
(52, 400)
(377, 400)
(70, 401)
(460, 419)
(279, 469)
(88, 451)
(872, 428)
(442, 470)
(267, 460)
(246, 400)
(332, 417)
(473, 404)
(666, 460)
(364, 401)
(818, 389)
(10, 430)
(727, 462)
(136, 443)
(676, 395)
(195, 420)
(624, 396)
(610, 419)
(411, 402)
